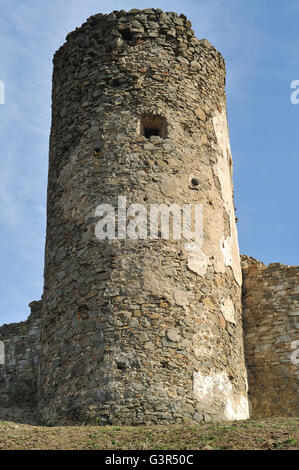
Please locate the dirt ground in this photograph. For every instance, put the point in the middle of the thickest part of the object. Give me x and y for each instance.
(269, 433)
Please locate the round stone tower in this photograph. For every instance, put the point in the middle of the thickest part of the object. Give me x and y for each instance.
(141, 322)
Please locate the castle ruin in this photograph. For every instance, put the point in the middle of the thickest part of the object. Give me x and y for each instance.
(136, 330)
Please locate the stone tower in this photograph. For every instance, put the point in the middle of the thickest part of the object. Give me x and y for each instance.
(140, 329)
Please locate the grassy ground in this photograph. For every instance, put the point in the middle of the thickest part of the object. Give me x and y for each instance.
(269, 433)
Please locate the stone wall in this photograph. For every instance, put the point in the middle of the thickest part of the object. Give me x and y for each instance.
(18, 374)
(271, 321)
(140, 330)
(147, 329)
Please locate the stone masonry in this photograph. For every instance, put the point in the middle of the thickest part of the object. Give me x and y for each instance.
(146, 329)
(271, 316)
(19, 373)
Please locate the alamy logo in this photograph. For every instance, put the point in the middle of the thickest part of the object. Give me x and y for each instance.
(2, 353)
(295, 93)
(295, 354)
(2, 92)
(135, 222)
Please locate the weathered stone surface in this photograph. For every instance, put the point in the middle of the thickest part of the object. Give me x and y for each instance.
(18, 374)
(271, 310)
(142, 295)
(138, 331)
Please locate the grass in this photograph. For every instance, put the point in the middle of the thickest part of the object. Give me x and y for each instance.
(268, 433)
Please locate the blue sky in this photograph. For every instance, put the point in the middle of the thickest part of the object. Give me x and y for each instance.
(260, 43)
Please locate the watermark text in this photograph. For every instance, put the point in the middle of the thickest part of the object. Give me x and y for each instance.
(295, 354)
(295, 94)
(157, 221)
(2, 92)
(2, 353)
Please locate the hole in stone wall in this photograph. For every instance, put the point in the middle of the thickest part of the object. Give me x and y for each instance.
(153, 125)
(126, 34)
(187, 130)
(148, 132)
(115, 82)
(195, 182)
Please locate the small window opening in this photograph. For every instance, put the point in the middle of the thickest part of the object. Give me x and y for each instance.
(126, 34)
(148, 132)
(153, 125)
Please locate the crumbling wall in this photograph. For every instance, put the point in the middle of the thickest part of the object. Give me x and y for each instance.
(270, 311)
(18, 374)
(146, 330)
